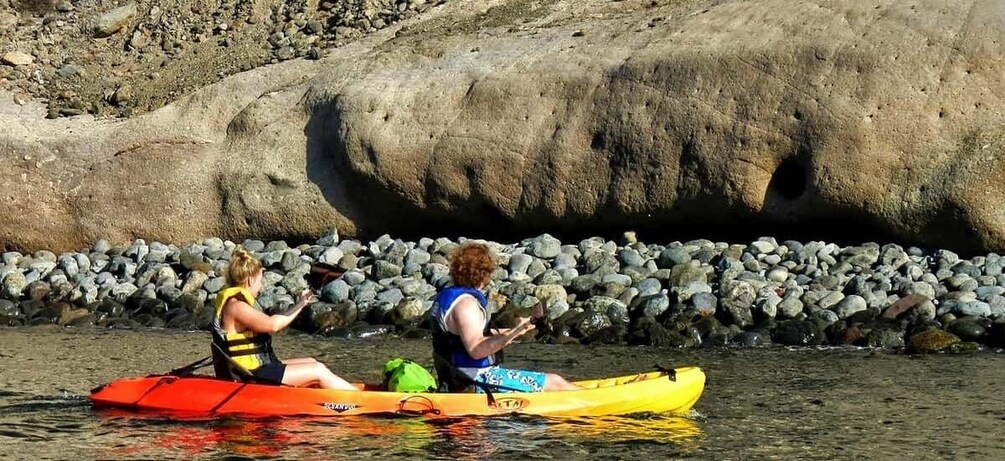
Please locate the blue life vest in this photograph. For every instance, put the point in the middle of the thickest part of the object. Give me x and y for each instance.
(447, 346)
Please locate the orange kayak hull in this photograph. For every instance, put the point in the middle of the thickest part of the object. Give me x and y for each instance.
(652, 392)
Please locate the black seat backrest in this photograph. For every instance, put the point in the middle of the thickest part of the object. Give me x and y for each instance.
(227, 368)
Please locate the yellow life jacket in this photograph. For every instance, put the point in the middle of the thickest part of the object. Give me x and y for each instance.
(249, 349)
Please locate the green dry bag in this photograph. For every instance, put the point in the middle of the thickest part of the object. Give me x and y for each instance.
(403, 375)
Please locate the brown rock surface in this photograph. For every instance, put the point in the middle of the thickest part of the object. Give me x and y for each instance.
(530, 115)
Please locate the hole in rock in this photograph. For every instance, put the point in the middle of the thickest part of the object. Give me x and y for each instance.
(789, 180)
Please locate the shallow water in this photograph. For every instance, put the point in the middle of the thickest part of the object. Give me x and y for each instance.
(772, 403)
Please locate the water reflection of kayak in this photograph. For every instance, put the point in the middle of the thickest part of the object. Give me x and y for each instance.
(149, 435)
(654, 392)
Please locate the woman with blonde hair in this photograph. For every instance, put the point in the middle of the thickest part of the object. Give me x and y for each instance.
(243, 332)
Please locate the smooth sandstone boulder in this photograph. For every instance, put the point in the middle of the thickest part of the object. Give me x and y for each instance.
(509, 116)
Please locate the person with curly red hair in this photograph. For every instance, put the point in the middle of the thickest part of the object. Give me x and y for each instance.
(465, 351)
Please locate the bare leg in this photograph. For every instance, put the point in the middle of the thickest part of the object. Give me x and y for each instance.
(300, 360)
(305, 374)
(553, 382)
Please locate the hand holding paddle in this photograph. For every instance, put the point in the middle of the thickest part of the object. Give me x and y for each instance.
(306, 297)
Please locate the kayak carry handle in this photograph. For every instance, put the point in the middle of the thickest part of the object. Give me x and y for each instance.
(430, 407)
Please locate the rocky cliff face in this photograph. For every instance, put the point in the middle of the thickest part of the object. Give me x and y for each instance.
(479, 116)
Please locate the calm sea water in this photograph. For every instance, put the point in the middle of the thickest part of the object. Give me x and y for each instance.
(773, 403)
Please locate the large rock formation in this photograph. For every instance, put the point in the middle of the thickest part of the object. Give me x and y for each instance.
(696, 116)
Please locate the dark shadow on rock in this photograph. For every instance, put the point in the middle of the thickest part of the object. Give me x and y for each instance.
(326, 160)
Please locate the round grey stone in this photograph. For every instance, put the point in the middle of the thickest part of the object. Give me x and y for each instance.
(417, 257)
(736, 298)
(157, 252)
(761, 247)
(276, 246)
(426, 243)
(395, 253)
(568, 275)
(628, 296)
(194, 282)
(354, 277)
(922, 289)
(122, 290)
(271, 278)
(536, 268)
(687, 292)
(618, 313)
(544, 246)
(270, 259)
(778, 274)
(619, 279)
(410, 286)
(555, 308)
(584, 283)
(330, 238)
(68, 263)
(831, 299)
(649, 287)
(165, 276)
(137, 250)
(993, 266)
(655, 305)
(828, 317)
(548, 292)
(13, 285)
(985, 293)
(215, 284)
(705, 303)
(101, 246)
(789, 307)
(350, 247)
(435, 271)
(365, 292)
(106, 279)
(601, 263)
(630, 257)
(214, 247)
(975, 308)
(767, 302)
(519, 263)
(294, 283)
(997, 305)
(383, 270)
(392, 296)
(348, 262)
(564, 260)
(290, 260)
(673, 256)
(253, 246)
(549, 277)
(411, 309)
(602, 304)
(771, 260)
(44, 268)
(850, 305)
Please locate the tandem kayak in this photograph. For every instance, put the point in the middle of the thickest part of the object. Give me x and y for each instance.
(655, 392)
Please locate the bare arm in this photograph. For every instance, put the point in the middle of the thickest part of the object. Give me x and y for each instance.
(467, 320)
(256, 321)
